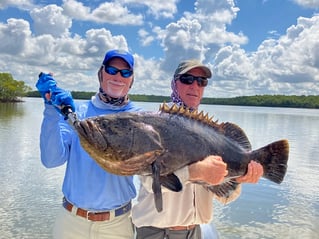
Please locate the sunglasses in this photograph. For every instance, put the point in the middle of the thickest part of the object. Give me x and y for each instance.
(113, 71)
(189, 79)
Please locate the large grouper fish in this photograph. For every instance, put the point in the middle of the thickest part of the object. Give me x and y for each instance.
(159, 143)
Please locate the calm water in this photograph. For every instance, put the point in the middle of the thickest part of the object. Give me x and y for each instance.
(30, 194)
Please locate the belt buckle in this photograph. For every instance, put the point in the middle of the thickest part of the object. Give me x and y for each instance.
(87, 215)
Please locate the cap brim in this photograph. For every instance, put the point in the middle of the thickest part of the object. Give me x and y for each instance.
(208, 73)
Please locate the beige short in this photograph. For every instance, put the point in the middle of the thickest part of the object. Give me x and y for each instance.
(69, 226)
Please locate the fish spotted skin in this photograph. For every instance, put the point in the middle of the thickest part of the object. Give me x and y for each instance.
(159, 143)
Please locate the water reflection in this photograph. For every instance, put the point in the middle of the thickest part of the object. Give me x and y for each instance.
(26, 186)
(9, 110)
(267, 210)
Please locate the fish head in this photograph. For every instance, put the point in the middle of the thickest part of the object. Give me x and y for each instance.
(118, 139)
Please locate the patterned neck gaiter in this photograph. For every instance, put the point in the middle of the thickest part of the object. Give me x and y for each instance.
(112, 101)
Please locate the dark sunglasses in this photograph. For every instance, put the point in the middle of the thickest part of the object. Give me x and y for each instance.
(113, 71)
(189, 79)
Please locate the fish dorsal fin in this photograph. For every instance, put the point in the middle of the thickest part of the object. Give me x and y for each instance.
(236, 133)
(180, 110)
(230, 130)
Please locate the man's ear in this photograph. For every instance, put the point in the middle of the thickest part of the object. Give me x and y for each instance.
(132, 82)
(99, 74)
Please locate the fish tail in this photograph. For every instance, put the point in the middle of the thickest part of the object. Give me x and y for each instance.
(273, 157)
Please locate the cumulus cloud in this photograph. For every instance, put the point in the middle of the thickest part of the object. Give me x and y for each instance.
(308, 3)
(149, 78)
(13, 36)
(72, 58)
(107, 12)
(156, 8)
(199, 34)
(278, 66)
(23, 4)
(51, 20)
(146, 38)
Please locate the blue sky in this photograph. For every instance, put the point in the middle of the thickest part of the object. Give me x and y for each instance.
(260, 20)
(254, 47)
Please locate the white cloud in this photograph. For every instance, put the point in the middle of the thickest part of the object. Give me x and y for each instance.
(199, 34)
(103, 39)
(74, 60)
(308, 3)
(149, 78)
(146, 38)
(288, 65)
(13, 36)
(107, 12)
(156, 8)
(23, 4)
(76, 9)
(51, 20)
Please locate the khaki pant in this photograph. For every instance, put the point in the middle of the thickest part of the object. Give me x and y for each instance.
(70, 226)
(158, 233)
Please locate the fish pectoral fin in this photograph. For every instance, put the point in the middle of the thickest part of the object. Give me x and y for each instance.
(172, 182)
(130, 166)
(156, 187)
(139, 162)
(224, 190)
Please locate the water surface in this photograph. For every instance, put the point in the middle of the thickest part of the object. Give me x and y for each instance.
(31, 194)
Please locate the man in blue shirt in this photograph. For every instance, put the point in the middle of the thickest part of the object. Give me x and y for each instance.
(96, 204)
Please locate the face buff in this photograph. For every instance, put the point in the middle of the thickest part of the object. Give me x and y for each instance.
(175, 97)
(112, 101)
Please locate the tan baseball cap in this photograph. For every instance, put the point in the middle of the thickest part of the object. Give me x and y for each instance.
(186, 66)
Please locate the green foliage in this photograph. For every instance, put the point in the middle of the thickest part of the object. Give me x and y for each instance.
(10, 89)
(34, 94)
(149, 98)
(75, 94)
(293, 101)
(82, 95)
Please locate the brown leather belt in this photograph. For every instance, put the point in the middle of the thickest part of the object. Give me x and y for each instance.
(96, 216)
(182, 228)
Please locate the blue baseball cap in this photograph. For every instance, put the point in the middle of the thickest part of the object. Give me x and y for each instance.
(126, 56)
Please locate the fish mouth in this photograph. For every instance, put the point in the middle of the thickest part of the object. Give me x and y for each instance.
(84, 128)
(88, 131)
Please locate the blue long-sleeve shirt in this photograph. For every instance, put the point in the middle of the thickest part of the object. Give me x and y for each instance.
(86, 184)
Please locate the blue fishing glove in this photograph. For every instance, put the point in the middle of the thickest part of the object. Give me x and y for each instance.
(60, 99)
(45, 84)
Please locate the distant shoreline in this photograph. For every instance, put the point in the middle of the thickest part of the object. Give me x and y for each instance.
(288, 101)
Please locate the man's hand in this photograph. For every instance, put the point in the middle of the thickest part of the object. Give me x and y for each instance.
(61, 98)
(254, 172)
(211, 170)
(45, 84)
